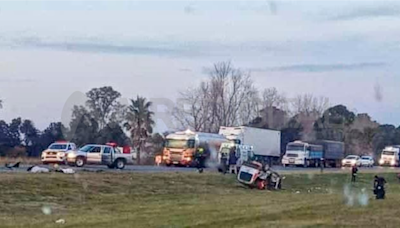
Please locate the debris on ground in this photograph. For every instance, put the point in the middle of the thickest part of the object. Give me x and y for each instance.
(37, 169)
(60, 221)
(10, 166)
(66, 171)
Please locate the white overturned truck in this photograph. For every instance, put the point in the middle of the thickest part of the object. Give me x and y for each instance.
(306, 154)
(266, 143)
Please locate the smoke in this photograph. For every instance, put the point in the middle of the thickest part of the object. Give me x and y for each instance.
(363, 197)
(273, 7)
(212, 162)
(46, 210)
(378, 92)
(355, 197)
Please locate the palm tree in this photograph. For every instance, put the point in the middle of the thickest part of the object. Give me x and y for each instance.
(139, 123)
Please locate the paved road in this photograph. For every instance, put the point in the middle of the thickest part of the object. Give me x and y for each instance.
(157, 169)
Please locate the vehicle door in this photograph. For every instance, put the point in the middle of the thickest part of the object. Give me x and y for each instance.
(107, 156)
(94, 155)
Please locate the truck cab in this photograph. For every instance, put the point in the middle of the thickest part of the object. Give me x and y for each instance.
(390, 156)
(180, 147)
(301, 153)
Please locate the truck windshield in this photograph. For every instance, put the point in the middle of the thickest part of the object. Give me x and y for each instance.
(86, 148)
(294, 147)
(58, 146)
(175, 143)
(388, 153)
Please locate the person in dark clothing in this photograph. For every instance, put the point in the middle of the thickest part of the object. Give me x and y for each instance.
(223, 163)
(321, 165)
(201, 158)
(232, 160)
(379, 187)
(354, 171)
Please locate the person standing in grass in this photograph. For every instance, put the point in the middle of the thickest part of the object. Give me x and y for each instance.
(232, 160)
(321, 165)
(354, 171)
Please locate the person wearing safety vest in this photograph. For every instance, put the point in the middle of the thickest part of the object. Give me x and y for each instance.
(200, 158)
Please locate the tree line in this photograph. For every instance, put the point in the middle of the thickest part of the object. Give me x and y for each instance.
(227, 97)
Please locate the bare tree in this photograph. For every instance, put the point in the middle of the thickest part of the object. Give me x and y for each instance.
(192, 109)
(306, 110)
(309, 105)
(272, 98)
(227, 98)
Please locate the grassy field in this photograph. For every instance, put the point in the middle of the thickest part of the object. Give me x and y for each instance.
(24, 160)
(192, 200)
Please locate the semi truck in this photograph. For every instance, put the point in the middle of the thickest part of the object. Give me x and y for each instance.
(321, 152)
(390, 156)
(266, 143)
(180, 147)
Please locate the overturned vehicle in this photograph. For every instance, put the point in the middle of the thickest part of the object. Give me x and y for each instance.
(256, 175)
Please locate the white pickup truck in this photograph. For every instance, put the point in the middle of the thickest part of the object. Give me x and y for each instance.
(99, 154)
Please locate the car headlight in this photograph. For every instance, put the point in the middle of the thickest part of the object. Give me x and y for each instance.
(353, 162)
(71, 155)
(392, 162)
(381, 161)
(343, 161)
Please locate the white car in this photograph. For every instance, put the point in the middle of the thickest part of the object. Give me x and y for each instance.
(57, 152)
(367, 161)
(351, 160)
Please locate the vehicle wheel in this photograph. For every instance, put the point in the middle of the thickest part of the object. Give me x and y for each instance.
(168, 164)
(261, 184)
(80, 161)
(111, 166)
(120, 164)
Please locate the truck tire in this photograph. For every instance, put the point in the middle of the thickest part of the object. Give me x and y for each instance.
(79, 162)
(120, 164)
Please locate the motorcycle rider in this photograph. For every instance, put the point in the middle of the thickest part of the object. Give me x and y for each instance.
(379, 187)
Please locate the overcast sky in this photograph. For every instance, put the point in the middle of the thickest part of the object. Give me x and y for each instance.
(52, 51)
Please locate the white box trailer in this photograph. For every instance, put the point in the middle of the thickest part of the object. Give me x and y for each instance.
(266, 143)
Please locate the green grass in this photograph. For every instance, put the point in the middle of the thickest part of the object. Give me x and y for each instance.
(191, 200)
